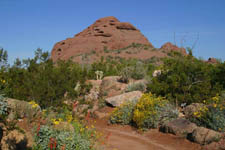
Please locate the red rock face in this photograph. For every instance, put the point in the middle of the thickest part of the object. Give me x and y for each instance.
(106, 32)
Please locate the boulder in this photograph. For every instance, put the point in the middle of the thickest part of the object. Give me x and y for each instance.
(14, 140)
(204, 136)
(111, 87)
(215, 145)
(120, 99)
(180, 127)
(20, 109)
(156, 73)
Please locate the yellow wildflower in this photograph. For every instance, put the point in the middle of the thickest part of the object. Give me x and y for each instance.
(34, 105)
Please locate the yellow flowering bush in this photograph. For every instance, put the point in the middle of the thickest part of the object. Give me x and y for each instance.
(151, 111)
(211, 115)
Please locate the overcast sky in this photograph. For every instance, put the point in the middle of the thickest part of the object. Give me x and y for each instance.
(26, 25)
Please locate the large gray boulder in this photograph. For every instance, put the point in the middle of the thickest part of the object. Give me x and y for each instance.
(21, 109)
(180, 127)
(110, 86)
(215, 145)
(120, 99)
(204, 136)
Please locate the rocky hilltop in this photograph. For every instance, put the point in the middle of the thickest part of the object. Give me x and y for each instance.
(108, 37)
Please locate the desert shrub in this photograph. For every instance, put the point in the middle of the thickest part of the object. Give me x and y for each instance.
(42, 80)
(3, 58)
(185, 79)
(80, 138)
(123, 114)
(152, 111)
(48, 136)
(125, 74)
(211, 115)
(138, 71)
(4, 108)
(136, 87)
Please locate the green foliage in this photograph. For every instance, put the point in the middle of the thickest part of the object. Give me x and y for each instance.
(41, 80)
(3, 58)
(152, 111)
(218, 74)
(212, 115)
(68, 139)
(4, 109)
(136, 87)
(126, 74)
(149, 112)
(185, 79)
(138, 71)
(123, 114)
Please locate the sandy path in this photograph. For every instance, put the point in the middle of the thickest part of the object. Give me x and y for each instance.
(125, 138)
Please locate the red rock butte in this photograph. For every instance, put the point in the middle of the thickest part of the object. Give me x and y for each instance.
(106, 32)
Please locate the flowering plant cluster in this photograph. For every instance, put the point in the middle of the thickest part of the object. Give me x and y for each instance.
(211, 115)
(149, 112)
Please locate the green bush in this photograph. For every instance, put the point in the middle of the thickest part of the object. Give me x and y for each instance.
(4, 109)
(152, 111)
(123, 114)
(41, 80)
(211, 116)
(125, 74)
(139, 71)
(67, 139)
(185, 79)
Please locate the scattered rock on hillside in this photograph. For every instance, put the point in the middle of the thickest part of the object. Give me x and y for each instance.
(204, 136)
(180, 127)
(120, 99)
(111, 87)
(106, 32)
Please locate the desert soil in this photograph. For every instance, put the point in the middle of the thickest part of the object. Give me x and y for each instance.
(118, 137)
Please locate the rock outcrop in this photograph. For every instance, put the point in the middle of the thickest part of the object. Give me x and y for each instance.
(168, 47)
(105, 33)
(204, 136)
(180, 127)
(116, 101)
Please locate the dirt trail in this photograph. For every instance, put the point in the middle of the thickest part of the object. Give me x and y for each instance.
(119, 137)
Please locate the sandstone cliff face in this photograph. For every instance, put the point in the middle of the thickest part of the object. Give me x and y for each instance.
(105, 33)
